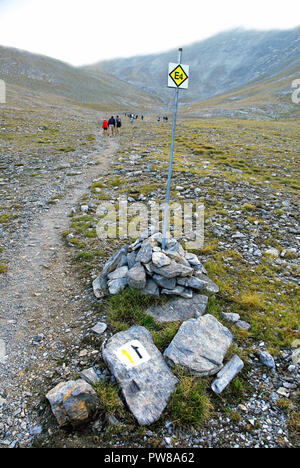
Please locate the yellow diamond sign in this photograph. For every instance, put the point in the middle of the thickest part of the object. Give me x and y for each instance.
(178, 76)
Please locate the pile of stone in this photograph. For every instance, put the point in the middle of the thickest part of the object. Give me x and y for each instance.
(148, 268)
(142, 371)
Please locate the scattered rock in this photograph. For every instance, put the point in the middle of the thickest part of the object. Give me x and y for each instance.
(273, 252)
(267, 360)
(296, 356)
(227, 374)
(283, 392)
(230, 317)
(200, 346)
(243, 325)
(90, 376)
(100, 287)
(3, 356)
(100, 328)
(73, 402)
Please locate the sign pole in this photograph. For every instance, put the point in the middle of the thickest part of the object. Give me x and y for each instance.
(166, 213)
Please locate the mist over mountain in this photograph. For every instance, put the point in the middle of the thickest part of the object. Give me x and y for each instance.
(217, 65)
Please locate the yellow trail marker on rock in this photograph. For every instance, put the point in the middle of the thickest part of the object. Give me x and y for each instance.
(127, 355)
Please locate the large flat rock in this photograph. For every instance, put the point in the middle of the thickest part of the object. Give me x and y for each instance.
(140, 369)
(179, 309)
(200, 346)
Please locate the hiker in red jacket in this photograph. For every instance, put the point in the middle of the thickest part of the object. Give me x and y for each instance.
(105, 127)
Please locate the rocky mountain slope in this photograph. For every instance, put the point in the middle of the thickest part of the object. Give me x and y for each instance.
(46, 75)
(260, 100)
(219, 64)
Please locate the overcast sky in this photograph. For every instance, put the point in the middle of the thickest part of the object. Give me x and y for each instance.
(86, 31)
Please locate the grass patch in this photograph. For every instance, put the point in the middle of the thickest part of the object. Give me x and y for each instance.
(127, 309)
(190, 404)
(109, 401)
(3, 269)
(5, 218)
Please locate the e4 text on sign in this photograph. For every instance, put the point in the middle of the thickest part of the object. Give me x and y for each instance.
(178, 76)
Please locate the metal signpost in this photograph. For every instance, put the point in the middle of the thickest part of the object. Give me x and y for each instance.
(178, 79)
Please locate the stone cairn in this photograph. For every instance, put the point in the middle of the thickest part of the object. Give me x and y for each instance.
(142, 371)
(146, 267)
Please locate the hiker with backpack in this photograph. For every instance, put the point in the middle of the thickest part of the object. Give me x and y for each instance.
(111, 125)
(119, 123)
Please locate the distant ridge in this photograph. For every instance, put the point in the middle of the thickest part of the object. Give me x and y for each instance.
(218, 65)
(47, 75)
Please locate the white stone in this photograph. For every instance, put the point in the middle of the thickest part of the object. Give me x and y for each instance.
(160, 259)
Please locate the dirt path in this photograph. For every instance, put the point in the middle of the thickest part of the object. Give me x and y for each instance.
(41, 310)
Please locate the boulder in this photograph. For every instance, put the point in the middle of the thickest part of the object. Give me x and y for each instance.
(151, 288)
(192, 282)
(118, 273)
(209, 285)
(117, 285)
(136, 277)
(73, 403)
(159, 259)
(200, 346)
(139, 368)
(113, 263)
(164, 283)
(145, 253)
(179, 309)
(179, 291)
(100, 287)
(172, 270)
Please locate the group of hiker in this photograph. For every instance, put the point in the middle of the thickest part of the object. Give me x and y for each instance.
(113, 124)
(109, 126)
(165, 119)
